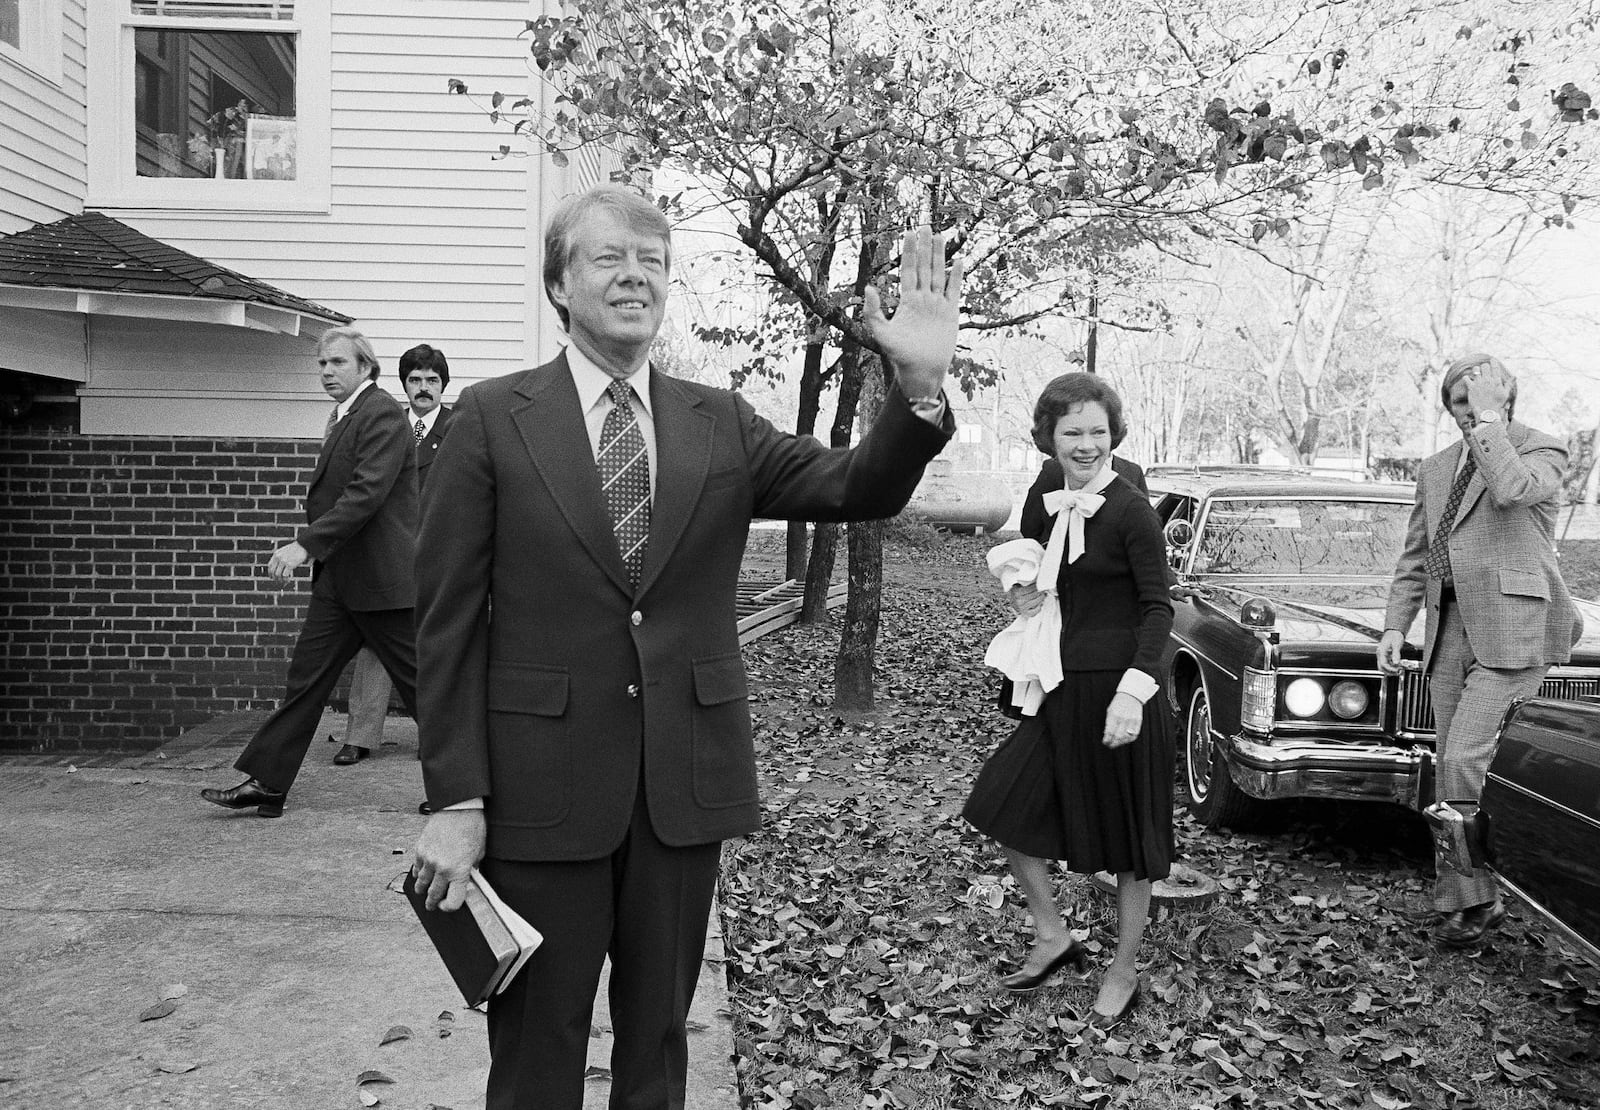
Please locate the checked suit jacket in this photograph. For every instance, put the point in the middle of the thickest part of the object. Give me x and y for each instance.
(1514, 603)
(550, 684)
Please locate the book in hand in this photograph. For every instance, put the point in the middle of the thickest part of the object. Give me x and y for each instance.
(483, 944)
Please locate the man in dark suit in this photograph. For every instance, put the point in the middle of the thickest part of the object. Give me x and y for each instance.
(585, 725)
(424, 373)
(361, 524)
(1480, 555)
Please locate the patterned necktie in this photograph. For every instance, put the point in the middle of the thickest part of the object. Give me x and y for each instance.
(1438, 559)
(625, 477)
(333, 422)
(419, 430)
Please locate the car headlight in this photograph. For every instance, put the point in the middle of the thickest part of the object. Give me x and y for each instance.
(1348, 700)
(1304, 697)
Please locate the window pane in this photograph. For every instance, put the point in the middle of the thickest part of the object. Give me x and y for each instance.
(214, 104)
(11, 22)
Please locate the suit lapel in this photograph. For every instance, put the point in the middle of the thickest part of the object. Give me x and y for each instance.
(684, 433)
(551, 424)
(338, 433)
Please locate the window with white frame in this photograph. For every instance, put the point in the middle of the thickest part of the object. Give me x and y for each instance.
(30, 34)
(209, 104)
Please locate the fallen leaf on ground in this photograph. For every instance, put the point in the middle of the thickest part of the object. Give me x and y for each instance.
(173, 990)
(372, 1075)
(368, 1098)
(159, 1010)
(172, 1067)
(396, 1033)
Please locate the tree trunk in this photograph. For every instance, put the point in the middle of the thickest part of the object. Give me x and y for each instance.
(852, 669)
(811, 381)
(819, 570)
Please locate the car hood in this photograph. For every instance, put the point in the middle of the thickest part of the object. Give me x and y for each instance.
(1350, 610)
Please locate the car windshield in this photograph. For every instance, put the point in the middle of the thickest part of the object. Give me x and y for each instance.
(1294, 536)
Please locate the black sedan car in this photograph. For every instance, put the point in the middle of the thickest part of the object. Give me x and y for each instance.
(1280, 585)
(1542, 802)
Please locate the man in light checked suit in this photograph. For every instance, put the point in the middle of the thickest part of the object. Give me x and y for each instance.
(1479, 553)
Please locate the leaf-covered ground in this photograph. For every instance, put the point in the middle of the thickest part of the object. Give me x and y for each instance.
(866, 921)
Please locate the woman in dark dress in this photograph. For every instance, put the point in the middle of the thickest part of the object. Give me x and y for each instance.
(1088, 780)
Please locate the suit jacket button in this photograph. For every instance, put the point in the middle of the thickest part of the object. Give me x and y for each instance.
(633, 690)
(637, 618)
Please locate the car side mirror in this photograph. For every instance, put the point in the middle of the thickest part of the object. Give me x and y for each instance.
(1179, 534)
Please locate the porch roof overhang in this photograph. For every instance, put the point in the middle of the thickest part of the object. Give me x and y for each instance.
(98, 266)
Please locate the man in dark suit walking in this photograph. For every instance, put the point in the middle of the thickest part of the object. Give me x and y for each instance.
(1480, 556)
(585, 725)
(361, 524)
(424, 373)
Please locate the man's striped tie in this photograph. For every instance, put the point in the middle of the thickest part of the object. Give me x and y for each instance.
(625, 477)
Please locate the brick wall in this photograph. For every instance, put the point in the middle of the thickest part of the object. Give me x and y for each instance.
(133, 599)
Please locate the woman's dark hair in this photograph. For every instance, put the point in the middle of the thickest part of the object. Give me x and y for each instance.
(1065, 393)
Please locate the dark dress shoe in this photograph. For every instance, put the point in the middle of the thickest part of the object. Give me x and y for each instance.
(425, 809)
(1074, 954)
(1468, 926)
(1107, 1022)
(268, 803)
(351, 753)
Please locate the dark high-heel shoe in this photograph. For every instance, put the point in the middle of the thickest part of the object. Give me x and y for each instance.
(268, 803)
(1107, 1022)
(1073, 955)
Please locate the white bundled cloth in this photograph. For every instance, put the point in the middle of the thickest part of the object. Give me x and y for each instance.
(1028, 650)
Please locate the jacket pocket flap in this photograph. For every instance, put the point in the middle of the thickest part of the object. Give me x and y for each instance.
(515, 688)
(720, 679)
(1524, 583)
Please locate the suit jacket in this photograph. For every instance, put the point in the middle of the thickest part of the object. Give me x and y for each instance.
(361, 507)
(1131, 472)
(551, 683)
(1513, 600)
(428, 449)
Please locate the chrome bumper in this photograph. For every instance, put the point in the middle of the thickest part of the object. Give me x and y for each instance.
(1311, 768)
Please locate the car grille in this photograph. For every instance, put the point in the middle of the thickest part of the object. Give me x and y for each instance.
(1416, 704)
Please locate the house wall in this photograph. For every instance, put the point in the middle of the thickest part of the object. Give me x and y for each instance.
(132, 603)
(42, 133)
(426, 237)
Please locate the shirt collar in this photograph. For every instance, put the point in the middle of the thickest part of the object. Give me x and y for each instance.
(428, 419)
(592, 381)
(344, 405)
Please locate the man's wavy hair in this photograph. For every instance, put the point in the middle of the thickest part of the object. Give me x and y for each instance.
(637, 213)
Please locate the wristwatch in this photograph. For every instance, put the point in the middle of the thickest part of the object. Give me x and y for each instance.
(1488, 416)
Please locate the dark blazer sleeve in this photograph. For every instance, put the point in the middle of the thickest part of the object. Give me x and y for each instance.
(1147, 563)
(375, 449)
(1034, 524)
(797, 478)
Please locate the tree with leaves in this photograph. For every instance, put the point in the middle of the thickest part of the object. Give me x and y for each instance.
(1048, 141)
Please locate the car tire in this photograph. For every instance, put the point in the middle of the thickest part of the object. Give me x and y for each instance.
(1212, 796)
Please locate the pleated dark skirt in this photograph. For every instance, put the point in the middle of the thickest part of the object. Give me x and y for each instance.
(1053, 790)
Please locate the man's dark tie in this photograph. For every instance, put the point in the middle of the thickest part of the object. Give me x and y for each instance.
(1438, 560)
(333, 422)
(419, 430)
(625, 477)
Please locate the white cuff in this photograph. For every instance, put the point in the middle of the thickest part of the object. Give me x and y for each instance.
(470, 803)
(1137, 685)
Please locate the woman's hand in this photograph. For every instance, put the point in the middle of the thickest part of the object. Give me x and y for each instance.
(1124, 718)
(1025, 599)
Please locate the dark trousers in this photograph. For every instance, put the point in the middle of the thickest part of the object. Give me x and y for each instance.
(329, 639)
(645, 905)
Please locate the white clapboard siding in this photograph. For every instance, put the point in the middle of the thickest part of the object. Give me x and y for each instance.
(42, 134)
(427, 235)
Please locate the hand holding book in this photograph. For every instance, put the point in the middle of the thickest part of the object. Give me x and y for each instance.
(484, 944)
